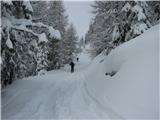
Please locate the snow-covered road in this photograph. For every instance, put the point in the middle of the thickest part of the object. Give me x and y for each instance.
(88, 93)
(58, 94)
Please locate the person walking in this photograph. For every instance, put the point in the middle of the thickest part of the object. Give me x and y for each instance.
(77, 59)
(72, 66)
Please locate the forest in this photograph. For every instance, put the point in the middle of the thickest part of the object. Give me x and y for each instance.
(36, 37)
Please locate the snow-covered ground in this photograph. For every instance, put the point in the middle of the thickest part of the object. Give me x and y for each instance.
(133, 91)
(88, 93)
(58, 94)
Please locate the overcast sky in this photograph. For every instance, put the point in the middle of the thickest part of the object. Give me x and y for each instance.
(79, 14)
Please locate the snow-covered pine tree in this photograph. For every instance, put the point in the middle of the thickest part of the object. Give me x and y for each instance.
(40, 11)
(18, 43)
(42, 54)
(53, 55)
(70, 43)
(130, 18)
(23, 42)
(57, 17)
(154, 11)
(139, 22)
(100, 30)
(134, 19)
(125, 22)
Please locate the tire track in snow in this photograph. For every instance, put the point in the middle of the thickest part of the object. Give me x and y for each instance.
(109, 111)
(35, 108)
(12, 98)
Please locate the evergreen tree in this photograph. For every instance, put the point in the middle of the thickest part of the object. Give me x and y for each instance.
(70, 44)
(59, 20)
(57, 17)
(100, 30)
(42, 54)
(18, 45)
(115, 22)
(24, 46)
(154, 7)
(54, 57)
(40, 11)
(135, 20)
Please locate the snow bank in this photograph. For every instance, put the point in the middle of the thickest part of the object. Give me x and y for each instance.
(133, 91)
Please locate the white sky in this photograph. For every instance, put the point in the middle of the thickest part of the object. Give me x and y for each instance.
(79, 14)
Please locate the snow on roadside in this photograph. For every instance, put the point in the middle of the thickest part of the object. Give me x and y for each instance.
(133, 91)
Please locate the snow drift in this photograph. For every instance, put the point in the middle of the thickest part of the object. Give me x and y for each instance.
(133, 91)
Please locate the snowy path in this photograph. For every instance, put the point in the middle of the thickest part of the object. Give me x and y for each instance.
(56, 95)
(59, 94)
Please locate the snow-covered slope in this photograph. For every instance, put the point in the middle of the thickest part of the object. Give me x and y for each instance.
(133, 91)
